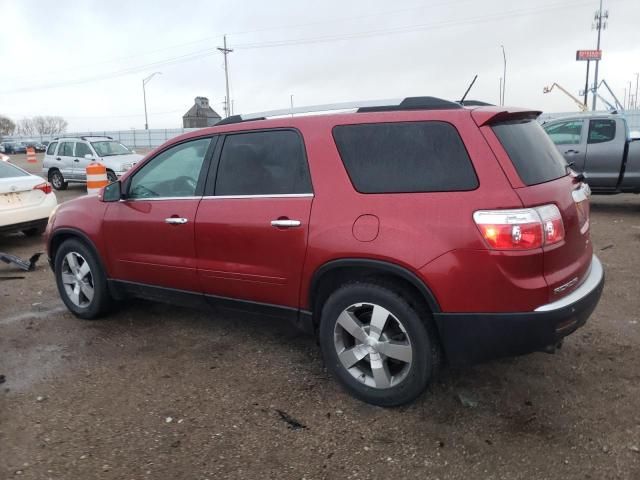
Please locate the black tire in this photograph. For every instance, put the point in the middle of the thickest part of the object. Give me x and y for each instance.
(101, 301)
(425, 350)
(35, 231)
(57, 180)
(111, 177)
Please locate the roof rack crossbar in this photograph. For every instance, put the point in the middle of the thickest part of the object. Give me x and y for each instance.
(410, 103)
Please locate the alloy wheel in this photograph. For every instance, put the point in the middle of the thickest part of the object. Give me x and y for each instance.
(373, 345)
(77, 279)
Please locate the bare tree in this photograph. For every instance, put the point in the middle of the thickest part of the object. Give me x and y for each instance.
(7, 126)
(26, 127)
(47, 125)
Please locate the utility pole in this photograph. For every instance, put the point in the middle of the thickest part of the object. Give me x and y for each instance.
(586, 87)
(504, 74)
(144, 97)
(598, 24)
(225, 51)
(291, 102)
(630, 106)
(500, 92)
(636, 102)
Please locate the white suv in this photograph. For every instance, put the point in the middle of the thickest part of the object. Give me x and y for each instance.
(66, 159)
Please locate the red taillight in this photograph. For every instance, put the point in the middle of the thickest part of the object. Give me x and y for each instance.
(521, 229)
(44, 187)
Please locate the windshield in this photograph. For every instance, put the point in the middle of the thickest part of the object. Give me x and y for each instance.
(9, 171)
(109, 148)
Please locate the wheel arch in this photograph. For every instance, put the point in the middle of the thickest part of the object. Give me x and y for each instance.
(61, 235)
(335, 272)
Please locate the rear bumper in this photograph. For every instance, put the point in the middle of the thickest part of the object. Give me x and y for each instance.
(470, 338)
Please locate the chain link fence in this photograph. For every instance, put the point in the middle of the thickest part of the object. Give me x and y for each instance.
(131, 138)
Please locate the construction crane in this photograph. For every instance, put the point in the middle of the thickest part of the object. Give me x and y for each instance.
(581, 106)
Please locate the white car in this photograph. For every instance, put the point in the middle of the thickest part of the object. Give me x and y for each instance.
(26, 201)
(66, 159)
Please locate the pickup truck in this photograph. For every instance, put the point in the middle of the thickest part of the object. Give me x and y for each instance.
(602, 148)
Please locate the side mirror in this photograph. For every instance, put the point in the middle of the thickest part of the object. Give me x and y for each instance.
(88, 156)
(112, 192)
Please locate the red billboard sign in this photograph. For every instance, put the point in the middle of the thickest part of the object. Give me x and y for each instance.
(583, 55)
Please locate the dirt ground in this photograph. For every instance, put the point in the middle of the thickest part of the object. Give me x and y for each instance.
(160, 392)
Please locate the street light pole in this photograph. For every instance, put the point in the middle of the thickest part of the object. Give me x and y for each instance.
(144, 97)
(504, 73)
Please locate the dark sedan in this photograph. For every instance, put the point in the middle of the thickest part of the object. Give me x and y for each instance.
(14, 147)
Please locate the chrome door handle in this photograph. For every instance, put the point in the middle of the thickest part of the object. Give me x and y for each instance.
(285, 223)
(175, 221)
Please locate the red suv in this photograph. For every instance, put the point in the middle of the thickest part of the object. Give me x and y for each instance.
(401, 234)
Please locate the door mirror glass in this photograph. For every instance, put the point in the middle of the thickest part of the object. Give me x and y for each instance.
(112, 192)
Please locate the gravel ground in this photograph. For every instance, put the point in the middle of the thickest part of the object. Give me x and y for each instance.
(160, 392)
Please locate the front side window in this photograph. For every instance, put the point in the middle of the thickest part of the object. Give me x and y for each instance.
(82, 149)
(263, 163)
(601, 131)
(173, 173)
(565, 133)
(51, 148)
(405, 157)
(66, 149)
(109, 148)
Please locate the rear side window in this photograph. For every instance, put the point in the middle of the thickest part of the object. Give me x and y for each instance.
(66, 149)
(532, 152)
(51, 148)
(601, 131)
(405, 157)
(263, 163)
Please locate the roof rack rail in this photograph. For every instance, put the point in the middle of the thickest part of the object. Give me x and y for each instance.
(82, 137)
(409, 103)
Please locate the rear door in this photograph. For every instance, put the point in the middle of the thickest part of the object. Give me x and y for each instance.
(252, 227)
(150, 234)
(606, 142)
(570, 138)
(539, 176)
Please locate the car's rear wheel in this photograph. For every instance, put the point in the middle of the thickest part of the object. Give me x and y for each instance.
(57, 180)
(81, 281)
(376, 344)
(111, 176)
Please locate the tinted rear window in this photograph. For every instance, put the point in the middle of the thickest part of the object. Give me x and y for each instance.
(405, 157)
(532, 152)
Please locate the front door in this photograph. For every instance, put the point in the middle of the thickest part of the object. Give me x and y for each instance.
(569, 137)
(252, 227)
(64, 159)
(150, 234)
(79, 162)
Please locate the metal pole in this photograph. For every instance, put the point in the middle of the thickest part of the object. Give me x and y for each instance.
(630, 106)
(595, 81)
(504, 74)
(225, 51)
(144, 96)
(291, 103)
(586, 86)
(500, 92)
(636, 101)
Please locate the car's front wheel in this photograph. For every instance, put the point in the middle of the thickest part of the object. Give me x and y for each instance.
(81, 281)
(376, 344)
(57, 180)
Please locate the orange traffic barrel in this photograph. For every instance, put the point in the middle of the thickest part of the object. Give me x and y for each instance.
(96, 178)
(31, 155)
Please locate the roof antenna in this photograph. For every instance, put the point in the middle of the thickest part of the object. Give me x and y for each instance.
(461, 102)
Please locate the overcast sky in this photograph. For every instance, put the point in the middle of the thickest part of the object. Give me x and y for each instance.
(86, 60)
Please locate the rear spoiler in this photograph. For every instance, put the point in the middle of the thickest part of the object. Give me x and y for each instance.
(487, 116)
